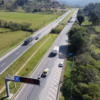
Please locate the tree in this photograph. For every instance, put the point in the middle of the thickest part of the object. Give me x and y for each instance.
(80, 18)
(85, 74)
(21, 2)
(94, 17)
(78, 38)
(80, 11)
(86, 97)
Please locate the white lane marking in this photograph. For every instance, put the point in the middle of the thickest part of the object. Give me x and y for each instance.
(57, 74)
(17, 53)
(51, 94)
(3, 64)
(48, 98)
(41, 93)
(56, 80)
(55, 86)
(58, 71)
(54, 83)
(56, 77)
(53, 90)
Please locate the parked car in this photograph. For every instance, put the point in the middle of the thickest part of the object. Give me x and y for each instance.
(45, 72)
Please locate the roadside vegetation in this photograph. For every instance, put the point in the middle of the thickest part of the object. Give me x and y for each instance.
(83, 81)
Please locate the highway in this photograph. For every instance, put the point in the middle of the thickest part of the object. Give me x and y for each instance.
(49, 85)
(14, 54)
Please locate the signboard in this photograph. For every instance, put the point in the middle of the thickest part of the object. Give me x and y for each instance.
(27, 80)
(70, 54)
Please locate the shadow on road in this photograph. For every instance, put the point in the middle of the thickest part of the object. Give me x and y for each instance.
(62, 51)
(51, 55)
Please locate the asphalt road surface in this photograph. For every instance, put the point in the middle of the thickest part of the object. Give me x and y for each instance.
(13, 55)
(49, 85)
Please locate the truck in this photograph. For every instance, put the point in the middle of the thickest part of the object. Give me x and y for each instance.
(55, 50)
(28, 40)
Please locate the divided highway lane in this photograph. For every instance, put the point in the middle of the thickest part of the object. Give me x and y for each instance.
(49, 85)
(6, 61)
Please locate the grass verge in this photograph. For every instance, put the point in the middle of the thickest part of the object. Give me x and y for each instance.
(67, 73)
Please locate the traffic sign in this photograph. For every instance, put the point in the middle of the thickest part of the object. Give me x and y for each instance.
(70, 54)
(17, 79)
(27, 80)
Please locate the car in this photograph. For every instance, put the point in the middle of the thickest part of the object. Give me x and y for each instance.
(36, 38)
(45, 72)
(61, 64)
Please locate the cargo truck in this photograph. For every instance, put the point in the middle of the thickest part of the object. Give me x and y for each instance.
(55, 50)
(28, 40)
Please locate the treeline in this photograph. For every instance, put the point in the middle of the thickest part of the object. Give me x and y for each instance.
(93, 12)
(31, 5)
(84, 82)
(15, 26)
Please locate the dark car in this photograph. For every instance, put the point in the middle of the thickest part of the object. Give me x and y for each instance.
(36, 38)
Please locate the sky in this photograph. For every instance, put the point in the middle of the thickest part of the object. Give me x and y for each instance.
(80, 2)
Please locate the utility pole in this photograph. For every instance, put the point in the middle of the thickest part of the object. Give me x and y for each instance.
(13, 76)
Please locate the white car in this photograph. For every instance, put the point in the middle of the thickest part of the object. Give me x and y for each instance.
(45, 72)
(61, 64)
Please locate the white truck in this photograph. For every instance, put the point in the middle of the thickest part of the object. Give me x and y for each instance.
(55, 50)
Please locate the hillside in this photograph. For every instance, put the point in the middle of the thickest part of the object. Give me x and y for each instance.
(30, 5)
(78, 2)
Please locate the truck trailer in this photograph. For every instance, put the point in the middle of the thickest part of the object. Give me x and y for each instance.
(55, 50)
(28, 40)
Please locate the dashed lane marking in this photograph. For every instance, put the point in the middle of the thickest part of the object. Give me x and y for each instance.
(3, 64)
(56, 77)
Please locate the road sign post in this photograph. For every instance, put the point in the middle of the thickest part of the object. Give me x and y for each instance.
(20, 79)
(7, 85)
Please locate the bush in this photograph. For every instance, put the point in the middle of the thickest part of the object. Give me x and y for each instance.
(56, 30)
(16, 26)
